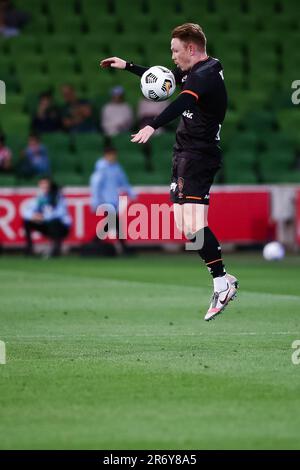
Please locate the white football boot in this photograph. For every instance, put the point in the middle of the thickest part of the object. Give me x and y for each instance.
(233, 280)
(221, 299)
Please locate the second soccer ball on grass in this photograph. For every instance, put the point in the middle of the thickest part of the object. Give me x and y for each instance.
(273, 251)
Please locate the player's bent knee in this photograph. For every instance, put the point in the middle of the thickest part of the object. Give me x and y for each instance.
(194, 218)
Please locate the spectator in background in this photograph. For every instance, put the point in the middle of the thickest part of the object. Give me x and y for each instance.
(146, 112)
(11, 19)
(34, 159)
(117, 115)
(107, 183)
(47, 214)
(77, 114)
(5, 156)
(47, 116)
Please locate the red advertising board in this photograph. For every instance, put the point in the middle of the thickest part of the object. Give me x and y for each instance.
(237, 215)
(298, 217)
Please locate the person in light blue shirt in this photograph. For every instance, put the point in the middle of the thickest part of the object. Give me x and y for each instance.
(47, 214)
(107, 183)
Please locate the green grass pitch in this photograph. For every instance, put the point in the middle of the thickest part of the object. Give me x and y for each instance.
(115, 354)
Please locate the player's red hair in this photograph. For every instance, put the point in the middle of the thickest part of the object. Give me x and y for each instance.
(190, 32)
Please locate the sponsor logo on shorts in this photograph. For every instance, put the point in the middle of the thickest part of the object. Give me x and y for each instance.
(180, 183)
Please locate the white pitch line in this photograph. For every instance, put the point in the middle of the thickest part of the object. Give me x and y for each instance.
(145, 335)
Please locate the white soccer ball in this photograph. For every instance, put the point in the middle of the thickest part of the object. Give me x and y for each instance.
(273, 251)
(158, 83)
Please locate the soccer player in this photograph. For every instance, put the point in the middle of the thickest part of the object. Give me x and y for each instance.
(197, 156)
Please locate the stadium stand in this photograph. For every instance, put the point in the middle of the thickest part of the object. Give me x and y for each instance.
(62, 43)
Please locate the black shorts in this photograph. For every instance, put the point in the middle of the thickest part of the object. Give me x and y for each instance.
(192, 177)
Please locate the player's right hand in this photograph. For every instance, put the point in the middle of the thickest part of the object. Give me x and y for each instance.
(114, 62)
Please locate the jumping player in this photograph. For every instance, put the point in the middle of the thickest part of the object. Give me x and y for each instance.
(197, 156)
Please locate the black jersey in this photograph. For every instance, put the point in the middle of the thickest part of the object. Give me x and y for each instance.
(199, 127)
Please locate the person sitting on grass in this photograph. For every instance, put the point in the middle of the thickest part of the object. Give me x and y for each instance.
(47, 214)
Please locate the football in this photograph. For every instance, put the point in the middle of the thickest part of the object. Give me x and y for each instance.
(273, 251)
(158, 83)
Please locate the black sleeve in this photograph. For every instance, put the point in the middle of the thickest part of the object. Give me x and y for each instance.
(184, 101)
(136, 69)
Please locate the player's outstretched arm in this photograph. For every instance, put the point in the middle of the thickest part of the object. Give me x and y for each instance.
(183, 102)
(117, 63)
(114, 62)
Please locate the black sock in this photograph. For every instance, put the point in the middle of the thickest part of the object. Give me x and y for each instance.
(211, 252)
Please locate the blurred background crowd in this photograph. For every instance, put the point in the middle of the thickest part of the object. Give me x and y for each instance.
(62, 107)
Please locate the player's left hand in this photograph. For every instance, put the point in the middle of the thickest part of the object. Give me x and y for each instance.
(143, 135)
